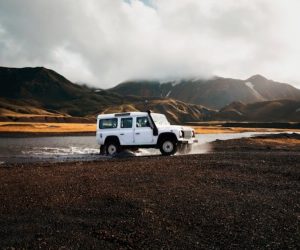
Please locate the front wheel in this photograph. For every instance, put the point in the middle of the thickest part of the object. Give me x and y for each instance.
(112, 148)
(168, 147)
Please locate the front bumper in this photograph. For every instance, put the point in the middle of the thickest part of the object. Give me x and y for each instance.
(188, 141)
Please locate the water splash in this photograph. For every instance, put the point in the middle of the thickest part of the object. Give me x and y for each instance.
(60, 151)
(147, 152)
(201, 148)
(197, 148)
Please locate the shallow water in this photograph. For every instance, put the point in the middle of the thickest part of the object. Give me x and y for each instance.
(70, 148)
(57, 148)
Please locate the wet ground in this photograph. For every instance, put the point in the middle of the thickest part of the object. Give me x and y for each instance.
(239, 196)
(83, 148)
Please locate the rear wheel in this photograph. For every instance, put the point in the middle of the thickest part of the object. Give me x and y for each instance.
(168, 147)
(112, 148)
(102, 150)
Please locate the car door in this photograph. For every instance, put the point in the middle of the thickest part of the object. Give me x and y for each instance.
(143, 133)
(126, 131)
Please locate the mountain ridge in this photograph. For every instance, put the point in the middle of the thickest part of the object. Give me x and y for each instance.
(266, 111)
(40, 94)
(46, 89)
(213, 93)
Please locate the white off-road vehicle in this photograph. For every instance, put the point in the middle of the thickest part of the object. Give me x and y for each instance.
(142, 130)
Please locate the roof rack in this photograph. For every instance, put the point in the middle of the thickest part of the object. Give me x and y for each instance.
(122, 114)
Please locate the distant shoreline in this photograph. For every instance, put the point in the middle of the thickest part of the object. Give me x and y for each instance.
(44, 129)
(43, 134)
(225, 124)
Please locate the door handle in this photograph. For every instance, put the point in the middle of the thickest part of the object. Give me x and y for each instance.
(137, 133)
(121, 134)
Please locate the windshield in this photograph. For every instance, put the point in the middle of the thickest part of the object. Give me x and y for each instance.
(160, 120)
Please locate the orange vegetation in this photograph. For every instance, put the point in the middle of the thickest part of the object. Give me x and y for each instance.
(25, 127)
(219, 129)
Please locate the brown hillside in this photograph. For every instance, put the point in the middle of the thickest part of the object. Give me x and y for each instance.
(177, 112)
(269, 111)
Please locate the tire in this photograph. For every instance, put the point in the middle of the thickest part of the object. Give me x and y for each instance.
(112, 148)
(168, 147)
(102, 150)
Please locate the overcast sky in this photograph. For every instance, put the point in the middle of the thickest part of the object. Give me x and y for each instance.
(104, 42)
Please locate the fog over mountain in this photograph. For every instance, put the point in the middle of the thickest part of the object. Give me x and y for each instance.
(104, 42)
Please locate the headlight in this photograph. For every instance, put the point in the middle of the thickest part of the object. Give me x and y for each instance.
(180, 133)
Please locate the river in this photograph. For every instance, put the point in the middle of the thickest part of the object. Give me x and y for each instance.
(85, 148)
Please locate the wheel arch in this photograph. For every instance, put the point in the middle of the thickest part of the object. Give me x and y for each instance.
(166, 135)
(113, 138)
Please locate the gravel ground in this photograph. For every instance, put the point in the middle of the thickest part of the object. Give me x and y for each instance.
(236, 199)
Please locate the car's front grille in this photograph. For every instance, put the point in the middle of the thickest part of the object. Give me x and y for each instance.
(187, 134)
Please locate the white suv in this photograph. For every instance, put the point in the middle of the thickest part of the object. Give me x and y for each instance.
(142, 130)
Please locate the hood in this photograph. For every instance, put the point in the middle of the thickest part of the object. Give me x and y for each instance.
(174, 127)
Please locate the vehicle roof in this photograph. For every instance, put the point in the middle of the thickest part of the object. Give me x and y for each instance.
(124, 114)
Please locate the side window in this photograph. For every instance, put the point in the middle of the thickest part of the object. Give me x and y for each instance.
(142, 122)
(126, 123)
(108, 123)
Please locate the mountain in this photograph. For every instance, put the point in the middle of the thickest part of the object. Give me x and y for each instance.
(214, 93)
(267, 111)
(40, 94)
(47, 90)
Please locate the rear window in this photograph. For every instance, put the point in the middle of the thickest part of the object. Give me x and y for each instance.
(108, 123)
(126, 123)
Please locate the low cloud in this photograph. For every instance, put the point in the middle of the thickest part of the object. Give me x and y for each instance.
(104, 42)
